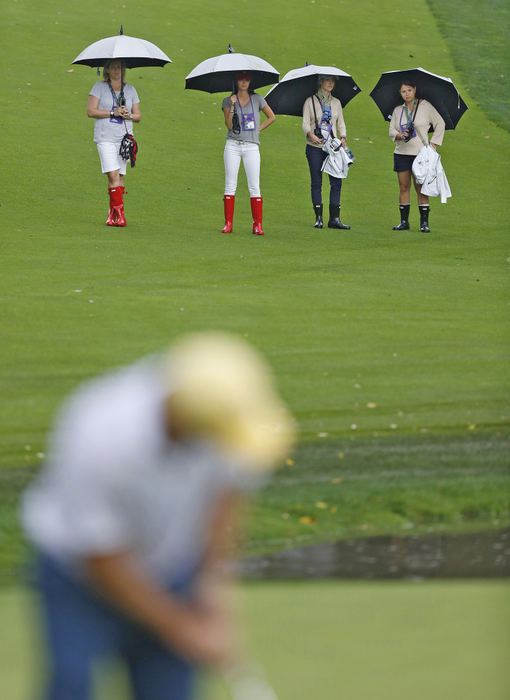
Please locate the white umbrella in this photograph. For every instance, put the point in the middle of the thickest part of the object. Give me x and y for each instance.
(134, 52)
(217, 74)
(291, 92)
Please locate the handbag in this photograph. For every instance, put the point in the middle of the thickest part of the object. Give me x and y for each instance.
(128, 148)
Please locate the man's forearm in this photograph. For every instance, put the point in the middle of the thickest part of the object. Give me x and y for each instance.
(118, 578)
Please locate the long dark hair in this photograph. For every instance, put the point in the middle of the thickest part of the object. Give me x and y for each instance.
(408, 81)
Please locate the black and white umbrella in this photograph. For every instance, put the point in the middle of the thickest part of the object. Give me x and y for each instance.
(217, 74)
(438, 90)
(291, 92)
(134, 52)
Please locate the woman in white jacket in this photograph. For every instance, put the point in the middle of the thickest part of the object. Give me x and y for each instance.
(409, 127)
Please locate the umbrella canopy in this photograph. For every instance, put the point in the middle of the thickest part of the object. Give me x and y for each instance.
(217, 74)
(289, 95)
(134, 52)
(438, 90)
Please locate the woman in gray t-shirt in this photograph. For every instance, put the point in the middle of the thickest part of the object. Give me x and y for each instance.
(114, 105)
(242, 119)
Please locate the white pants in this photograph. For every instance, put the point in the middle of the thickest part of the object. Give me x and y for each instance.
(110, 158)
(249, 152)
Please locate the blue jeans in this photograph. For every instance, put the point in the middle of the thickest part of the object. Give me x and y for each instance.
(82, 629)
(316, 157)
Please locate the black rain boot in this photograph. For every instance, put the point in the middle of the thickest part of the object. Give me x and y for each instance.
(318, 216)
(424, 217)
(404, 218)
(334, 217)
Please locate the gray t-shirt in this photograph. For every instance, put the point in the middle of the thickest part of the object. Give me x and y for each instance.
(112, 129)
(256, 104)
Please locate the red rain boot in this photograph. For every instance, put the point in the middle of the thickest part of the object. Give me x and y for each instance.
(117, 205)
(256, 212)
(228, 205)
(110, 221)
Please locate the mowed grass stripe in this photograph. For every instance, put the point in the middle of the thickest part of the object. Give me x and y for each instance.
(416, 325)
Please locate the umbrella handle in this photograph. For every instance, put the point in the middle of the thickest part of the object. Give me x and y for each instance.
(236, 127)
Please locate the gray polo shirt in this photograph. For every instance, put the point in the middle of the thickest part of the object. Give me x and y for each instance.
(256, 105)
(112, 129)
(114, 481)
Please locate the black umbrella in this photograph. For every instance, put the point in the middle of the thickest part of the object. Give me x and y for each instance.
(289, 95)
(438, 90)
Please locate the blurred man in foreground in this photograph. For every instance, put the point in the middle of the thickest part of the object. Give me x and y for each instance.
(137, 506)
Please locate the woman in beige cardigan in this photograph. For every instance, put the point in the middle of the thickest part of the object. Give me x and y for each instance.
(409, 127)
(322, 113)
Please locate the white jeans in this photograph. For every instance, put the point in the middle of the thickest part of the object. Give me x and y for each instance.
(249, 152)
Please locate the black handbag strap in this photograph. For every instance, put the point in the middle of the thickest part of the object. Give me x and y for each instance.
(314, 112)
(413, 116)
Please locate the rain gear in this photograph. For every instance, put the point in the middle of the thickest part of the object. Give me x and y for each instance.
(430, 174)
(337, 163)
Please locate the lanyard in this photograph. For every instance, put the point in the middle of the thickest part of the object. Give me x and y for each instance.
(329, 113)
(118, 100)
(413, 113)
(251, 105)
(326, 125)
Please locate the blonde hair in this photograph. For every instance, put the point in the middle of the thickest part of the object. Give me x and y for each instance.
(106, 69)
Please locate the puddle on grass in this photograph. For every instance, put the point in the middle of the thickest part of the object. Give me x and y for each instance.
(472, 555)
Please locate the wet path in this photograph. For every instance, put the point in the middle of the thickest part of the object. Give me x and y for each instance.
(472, 555)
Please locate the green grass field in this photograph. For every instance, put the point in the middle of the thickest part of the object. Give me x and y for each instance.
(390, 348)
(333, 640)
(476, 33)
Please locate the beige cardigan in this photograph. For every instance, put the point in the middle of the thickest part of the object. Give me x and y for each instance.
(337, 118)
(426, 116)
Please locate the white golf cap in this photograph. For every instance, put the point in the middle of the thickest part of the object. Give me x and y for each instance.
(222, 389)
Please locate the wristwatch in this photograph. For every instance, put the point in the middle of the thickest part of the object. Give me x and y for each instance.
(112, 113)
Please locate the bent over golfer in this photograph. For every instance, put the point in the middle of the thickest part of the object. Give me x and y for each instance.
(136, 507)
